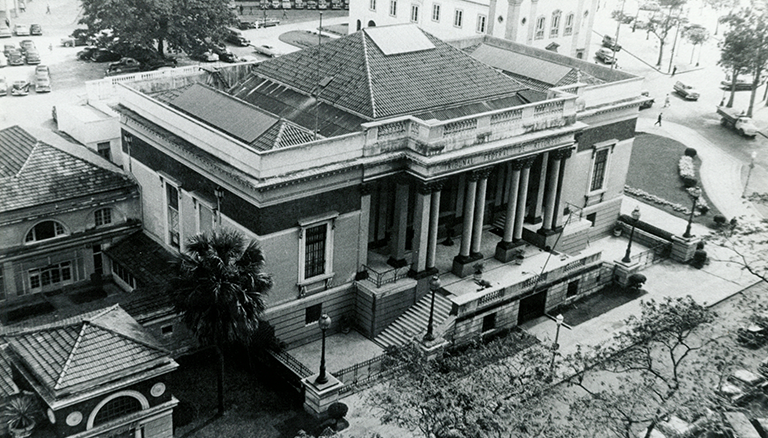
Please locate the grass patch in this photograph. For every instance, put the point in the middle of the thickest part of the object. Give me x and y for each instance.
(653, 169)
(302, 38)
(598, 303)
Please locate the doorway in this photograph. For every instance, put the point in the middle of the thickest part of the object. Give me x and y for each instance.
(532, 307)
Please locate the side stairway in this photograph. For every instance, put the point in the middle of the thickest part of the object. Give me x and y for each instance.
(414, 321)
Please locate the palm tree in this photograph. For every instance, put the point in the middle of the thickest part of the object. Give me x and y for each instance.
(219, 291)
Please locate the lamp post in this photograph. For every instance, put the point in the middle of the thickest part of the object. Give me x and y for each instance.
(751, 166)
(636, 217)
(324, 322)
(559, 320)
(695, 193)
(434, 285)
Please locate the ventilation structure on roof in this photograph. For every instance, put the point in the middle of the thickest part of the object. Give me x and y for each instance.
(393, 40)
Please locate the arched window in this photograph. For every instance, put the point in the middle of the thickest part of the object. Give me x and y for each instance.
(102, 216)
(371, 24)
(45, 230)
(359, 24)
(554, 31)
(568, 30)
(116, 408)
(540, 23)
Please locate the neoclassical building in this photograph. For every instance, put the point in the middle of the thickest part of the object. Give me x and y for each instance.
(563, 26)
(366, 165)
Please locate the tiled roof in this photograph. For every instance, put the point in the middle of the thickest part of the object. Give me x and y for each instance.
(7, 387)
(47, 174)
(93, 350)
(366, 81)
(148, 261)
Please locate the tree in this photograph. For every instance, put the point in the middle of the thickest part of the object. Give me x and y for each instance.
(745, 48)
(697, 36)
(184, 25)
(219, 291)
(746, 243)
(661, 24)
(719, 5)
(650, 362)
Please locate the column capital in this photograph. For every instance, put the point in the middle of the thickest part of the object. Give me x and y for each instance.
(528, 162)
(367, 188)
(517, 164)
(562, 154)
(437, 186)
(403, 179)
(424, 188)
(479, 174)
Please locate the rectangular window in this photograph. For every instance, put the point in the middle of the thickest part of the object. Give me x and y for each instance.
(598, 172)
(568, 30)
(123, 274)
(313, 313)
(103, 217)
(372, 5)
(458, 17)
(436, 12)
(172, 200)
(205, 218)
(414, 13)
(489, 322)
(393, 8)
(314, 255)
(481, 19)
(555, 30)
(540, 23)
(166, 330)
(51, 275)
(98, 261)
(573, 289)
(104, 150)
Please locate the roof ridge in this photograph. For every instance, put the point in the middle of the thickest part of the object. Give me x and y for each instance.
(368, 74)
(279, 135)
(130, 338)
(65, 368)
(26, 161)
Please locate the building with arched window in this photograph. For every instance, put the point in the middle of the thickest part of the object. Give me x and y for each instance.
(58, 212)
(102, 375)
(565, 25)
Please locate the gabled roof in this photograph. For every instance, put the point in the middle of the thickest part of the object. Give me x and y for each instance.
(363, 75)
(148, 261)
(79, 355)
(7, 387)
(34, 173)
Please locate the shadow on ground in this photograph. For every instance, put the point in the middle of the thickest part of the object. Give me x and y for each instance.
(596, 304)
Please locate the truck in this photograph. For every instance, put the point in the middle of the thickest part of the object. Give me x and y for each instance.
(739, 122)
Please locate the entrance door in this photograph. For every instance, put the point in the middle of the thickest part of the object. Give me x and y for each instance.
(532, 307)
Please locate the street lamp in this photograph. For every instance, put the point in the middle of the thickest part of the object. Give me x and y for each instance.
(559, 320)
(434, 285)
(695, 193)
(636, 217)
(751, 166)
(324, 323)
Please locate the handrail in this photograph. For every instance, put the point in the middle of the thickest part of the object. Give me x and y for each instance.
(388, 276)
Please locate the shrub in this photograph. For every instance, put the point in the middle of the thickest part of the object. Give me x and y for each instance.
(703, 209)
(690, 152)
(640, 225)
(700, 245)
(719, 219)
(689, 182)
(685, 165)
(337, 410)
(699, 258)
(636, 281)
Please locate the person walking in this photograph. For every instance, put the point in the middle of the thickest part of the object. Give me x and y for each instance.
(674, 70)
(666, 101)
(48, 9)
(658, 120)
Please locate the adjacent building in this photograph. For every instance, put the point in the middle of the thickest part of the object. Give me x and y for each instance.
(562, 26)
(368, 164)
(58, 212)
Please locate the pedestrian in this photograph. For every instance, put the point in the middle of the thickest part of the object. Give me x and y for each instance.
(666, 101)
(674, 70)
(50, 47)
(285, 14)
(48, 9)
(658, 120)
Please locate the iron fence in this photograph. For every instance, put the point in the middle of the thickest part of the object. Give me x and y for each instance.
(653, 255)
(363, 374)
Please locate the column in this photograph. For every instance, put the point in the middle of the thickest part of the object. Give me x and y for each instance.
(522, 199)
(551, 189)
(469, 208)
(400, 227)
(421, 217)
(365, 219)
(477, 229)
(434, 217)
(382, 212)
(564, 155)
(501, 177)
(534, 216)
(532, 21)
(513, 184)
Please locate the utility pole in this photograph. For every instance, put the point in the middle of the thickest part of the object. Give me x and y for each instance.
(618, 28)
(674, 43)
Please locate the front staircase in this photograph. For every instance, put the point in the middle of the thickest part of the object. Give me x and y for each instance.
(414, 321)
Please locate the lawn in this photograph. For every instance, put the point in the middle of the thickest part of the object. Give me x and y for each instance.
(653, 169)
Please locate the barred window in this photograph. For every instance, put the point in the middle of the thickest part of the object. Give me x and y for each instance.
(116, 408)
(314, 263)
(598, 172)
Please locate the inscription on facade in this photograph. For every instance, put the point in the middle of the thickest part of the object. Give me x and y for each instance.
(495, 155)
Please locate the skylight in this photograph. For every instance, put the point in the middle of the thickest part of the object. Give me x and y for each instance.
(406, 39)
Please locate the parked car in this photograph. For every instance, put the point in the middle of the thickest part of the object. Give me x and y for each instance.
(25, 45)
(21, 30)
(42, 84)
(311, 4)
(5, 32)
(78, 37)
(104, 55)
(35, 29)
(610, 42)
(7, 48)
(648, 102)
(245, 25)
(267, 22)
(606, 55)
(286, 4)
(686, 91)
(322, 4)
(275, 4)
(743, 82)
(32, 57)
(3, 60)
(20, 88)
(15, 57)
(124, 65)
(206, 56)
(156, 63)
(42, 70)
(236, 37)
(86, 53)
(740, 386)
(266, 50)
(299, 4)
(224, 53)
(3, 86)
